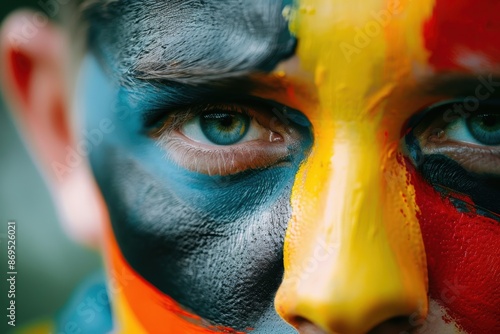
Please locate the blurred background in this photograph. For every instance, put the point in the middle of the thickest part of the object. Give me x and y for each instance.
(49, 265)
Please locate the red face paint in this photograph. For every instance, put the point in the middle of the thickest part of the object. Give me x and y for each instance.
(463, 257)
(463, 31)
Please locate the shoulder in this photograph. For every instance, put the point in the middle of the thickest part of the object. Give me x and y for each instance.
(88, 310)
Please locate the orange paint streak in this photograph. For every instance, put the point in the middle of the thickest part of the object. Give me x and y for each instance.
(151, 310)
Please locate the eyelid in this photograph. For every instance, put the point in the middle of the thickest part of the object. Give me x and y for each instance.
(283, 142)
(418, 118)
(447, 108)
(176, 118)
(227, 160)
(444, 114)
(270, 114)
(449, 136)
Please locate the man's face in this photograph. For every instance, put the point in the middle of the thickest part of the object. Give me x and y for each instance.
(332, 165)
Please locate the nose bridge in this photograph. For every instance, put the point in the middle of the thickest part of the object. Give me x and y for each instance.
(353, 254)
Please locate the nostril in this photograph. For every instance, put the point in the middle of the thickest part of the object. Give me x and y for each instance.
(394, 325)
(304, 326)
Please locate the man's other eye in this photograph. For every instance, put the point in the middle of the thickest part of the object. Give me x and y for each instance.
(225, 139)
(483, 129)
(470, 138)
(456, 148)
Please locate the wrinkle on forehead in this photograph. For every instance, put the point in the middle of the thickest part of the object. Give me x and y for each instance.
(189, 41)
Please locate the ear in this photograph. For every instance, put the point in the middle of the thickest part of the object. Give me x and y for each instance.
(33, 61)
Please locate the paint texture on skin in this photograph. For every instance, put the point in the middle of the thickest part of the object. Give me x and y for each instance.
(198, 262)
(463, 34)
(211, 244)
(353, 194)
(462, 284)
(354, 253)
(189, 41)
(480, 190)
(139, 307)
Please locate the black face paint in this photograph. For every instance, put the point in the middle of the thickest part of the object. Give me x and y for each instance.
(213, 244)
(448, 176)
(226, 267)
(444, 173)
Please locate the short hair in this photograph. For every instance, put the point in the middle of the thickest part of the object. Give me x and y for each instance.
(76, 18)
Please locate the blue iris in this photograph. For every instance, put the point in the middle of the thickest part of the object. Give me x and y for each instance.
(485, 128)
(224, 128)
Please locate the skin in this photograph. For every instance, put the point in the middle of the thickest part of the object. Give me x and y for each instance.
(349, 214)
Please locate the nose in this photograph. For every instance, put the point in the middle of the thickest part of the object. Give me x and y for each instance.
(354, 259)
(392, 326)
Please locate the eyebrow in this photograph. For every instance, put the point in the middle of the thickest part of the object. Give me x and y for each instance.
(463, 85)
(189, 42)
(155, 98)
(157, 71)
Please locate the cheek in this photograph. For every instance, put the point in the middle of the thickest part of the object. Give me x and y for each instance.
(463, 260)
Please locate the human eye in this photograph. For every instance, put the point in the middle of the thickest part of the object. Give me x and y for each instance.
(458, 150)
(470, 138)
(479, 130)
(228, 138)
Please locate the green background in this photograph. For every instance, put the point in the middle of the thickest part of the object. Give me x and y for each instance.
(49, 265)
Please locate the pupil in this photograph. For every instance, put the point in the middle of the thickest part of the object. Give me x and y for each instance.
(224, 128)
(226, 121)
(490, 121)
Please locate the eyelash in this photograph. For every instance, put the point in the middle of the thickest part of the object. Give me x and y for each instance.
(175, 119)
(223, 160)
(433, 129)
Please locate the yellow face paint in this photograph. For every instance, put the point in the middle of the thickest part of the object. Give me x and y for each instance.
(354, 256)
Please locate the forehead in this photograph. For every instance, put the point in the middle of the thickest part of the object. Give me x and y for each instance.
(190, 41)
(180, 39)
(464, 34)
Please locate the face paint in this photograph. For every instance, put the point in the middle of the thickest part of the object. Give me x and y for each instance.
(368, 97)
(461, 35)
(360, 201)
(460, 223)
(225, 250)
(194, 253)
(462, 284)
(188, 42)
(140, 306)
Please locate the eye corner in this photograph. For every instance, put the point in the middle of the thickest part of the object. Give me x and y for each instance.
(471, 138)
(228, 138)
